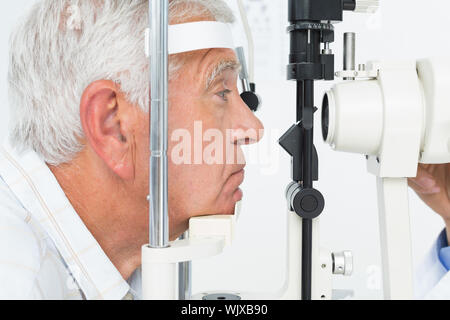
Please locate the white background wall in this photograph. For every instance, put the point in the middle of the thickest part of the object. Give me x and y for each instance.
(403, 29)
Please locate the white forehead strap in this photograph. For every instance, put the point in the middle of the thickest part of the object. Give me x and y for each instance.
(198, 36)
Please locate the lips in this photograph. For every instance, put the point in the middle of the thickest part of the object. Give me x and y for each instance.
(235, 180)
(238, 176)
(239, 169)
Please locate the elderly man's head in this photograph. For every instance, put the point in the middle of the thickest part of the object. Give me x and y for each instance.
(79, 97)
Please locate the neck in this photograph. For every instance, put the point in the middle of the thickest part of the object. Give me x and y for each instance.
(108, 209)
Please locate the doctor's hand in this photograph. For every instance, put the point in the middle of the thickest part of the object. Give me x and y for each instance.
(432, 184)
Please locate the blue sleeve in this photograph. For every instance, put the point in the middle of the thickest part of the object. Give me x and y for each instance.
(444, 250)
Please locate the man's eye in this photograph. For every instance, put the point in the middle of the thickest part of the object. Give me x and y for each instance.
(223, 94)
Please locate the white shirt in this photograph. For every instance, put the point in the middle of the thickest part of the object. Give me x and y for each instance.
(46, 251)
(432, 278)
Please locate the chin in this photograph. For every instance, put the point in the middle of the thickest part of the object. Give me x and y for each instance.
(175, 234)
(230, 208)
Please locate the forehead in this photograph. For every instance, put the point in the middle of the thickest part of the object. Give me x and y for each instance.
(200, 69)
(216, 55)
(207, 61)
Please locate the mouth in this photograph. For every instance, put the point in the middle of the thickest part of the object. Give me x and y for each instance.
(235, 180)
(238, 176)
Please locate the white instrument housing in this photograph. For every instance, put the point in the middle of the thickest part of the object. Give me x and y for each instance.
(398, 115)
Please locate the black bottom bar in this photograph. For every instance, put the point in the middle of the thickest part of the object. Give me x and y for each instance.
(306, 259)
(308, 145)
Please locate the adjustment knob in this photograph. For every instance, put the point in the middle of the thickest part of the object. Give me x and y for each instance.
(367, 6)
(251, 99)
(307, 203)
(342, 263)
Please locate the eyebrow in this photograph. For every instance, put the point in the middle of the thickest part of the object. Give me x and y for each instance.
(219, 69)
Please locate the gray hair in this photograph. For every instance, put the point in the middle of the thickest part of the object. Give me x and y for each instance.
(62, 46)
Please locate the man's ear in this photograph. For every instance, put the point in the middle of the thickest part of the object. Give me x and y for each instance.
(102, 114)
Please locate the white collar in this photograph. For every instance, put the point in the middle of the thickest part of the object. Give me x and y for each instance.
(37, 189)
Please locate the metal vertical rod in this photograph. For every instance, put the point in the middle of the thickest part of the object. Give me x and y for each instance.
(185, 276)
(243, 75)
(349, 52)
(308, 145)
(313, 45)
(158, 180)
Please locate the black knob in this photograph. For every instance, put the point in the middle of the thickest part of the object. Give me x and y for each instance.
(251, 100)
(308, 203)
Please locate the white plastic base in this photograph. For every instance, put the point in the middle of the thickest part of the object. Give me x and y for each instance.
(208, 236)
(291, 289)
(160, 266)
(160, 280)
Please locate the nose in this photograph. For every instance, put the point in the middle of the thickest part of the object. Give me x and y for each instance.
(247, 128)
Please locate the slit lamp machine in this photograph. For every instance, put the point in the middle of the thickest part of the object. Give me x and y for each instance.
(394, 112)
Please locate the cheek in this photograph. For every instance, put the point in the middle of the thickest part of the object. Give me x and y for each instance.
(194, 187)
